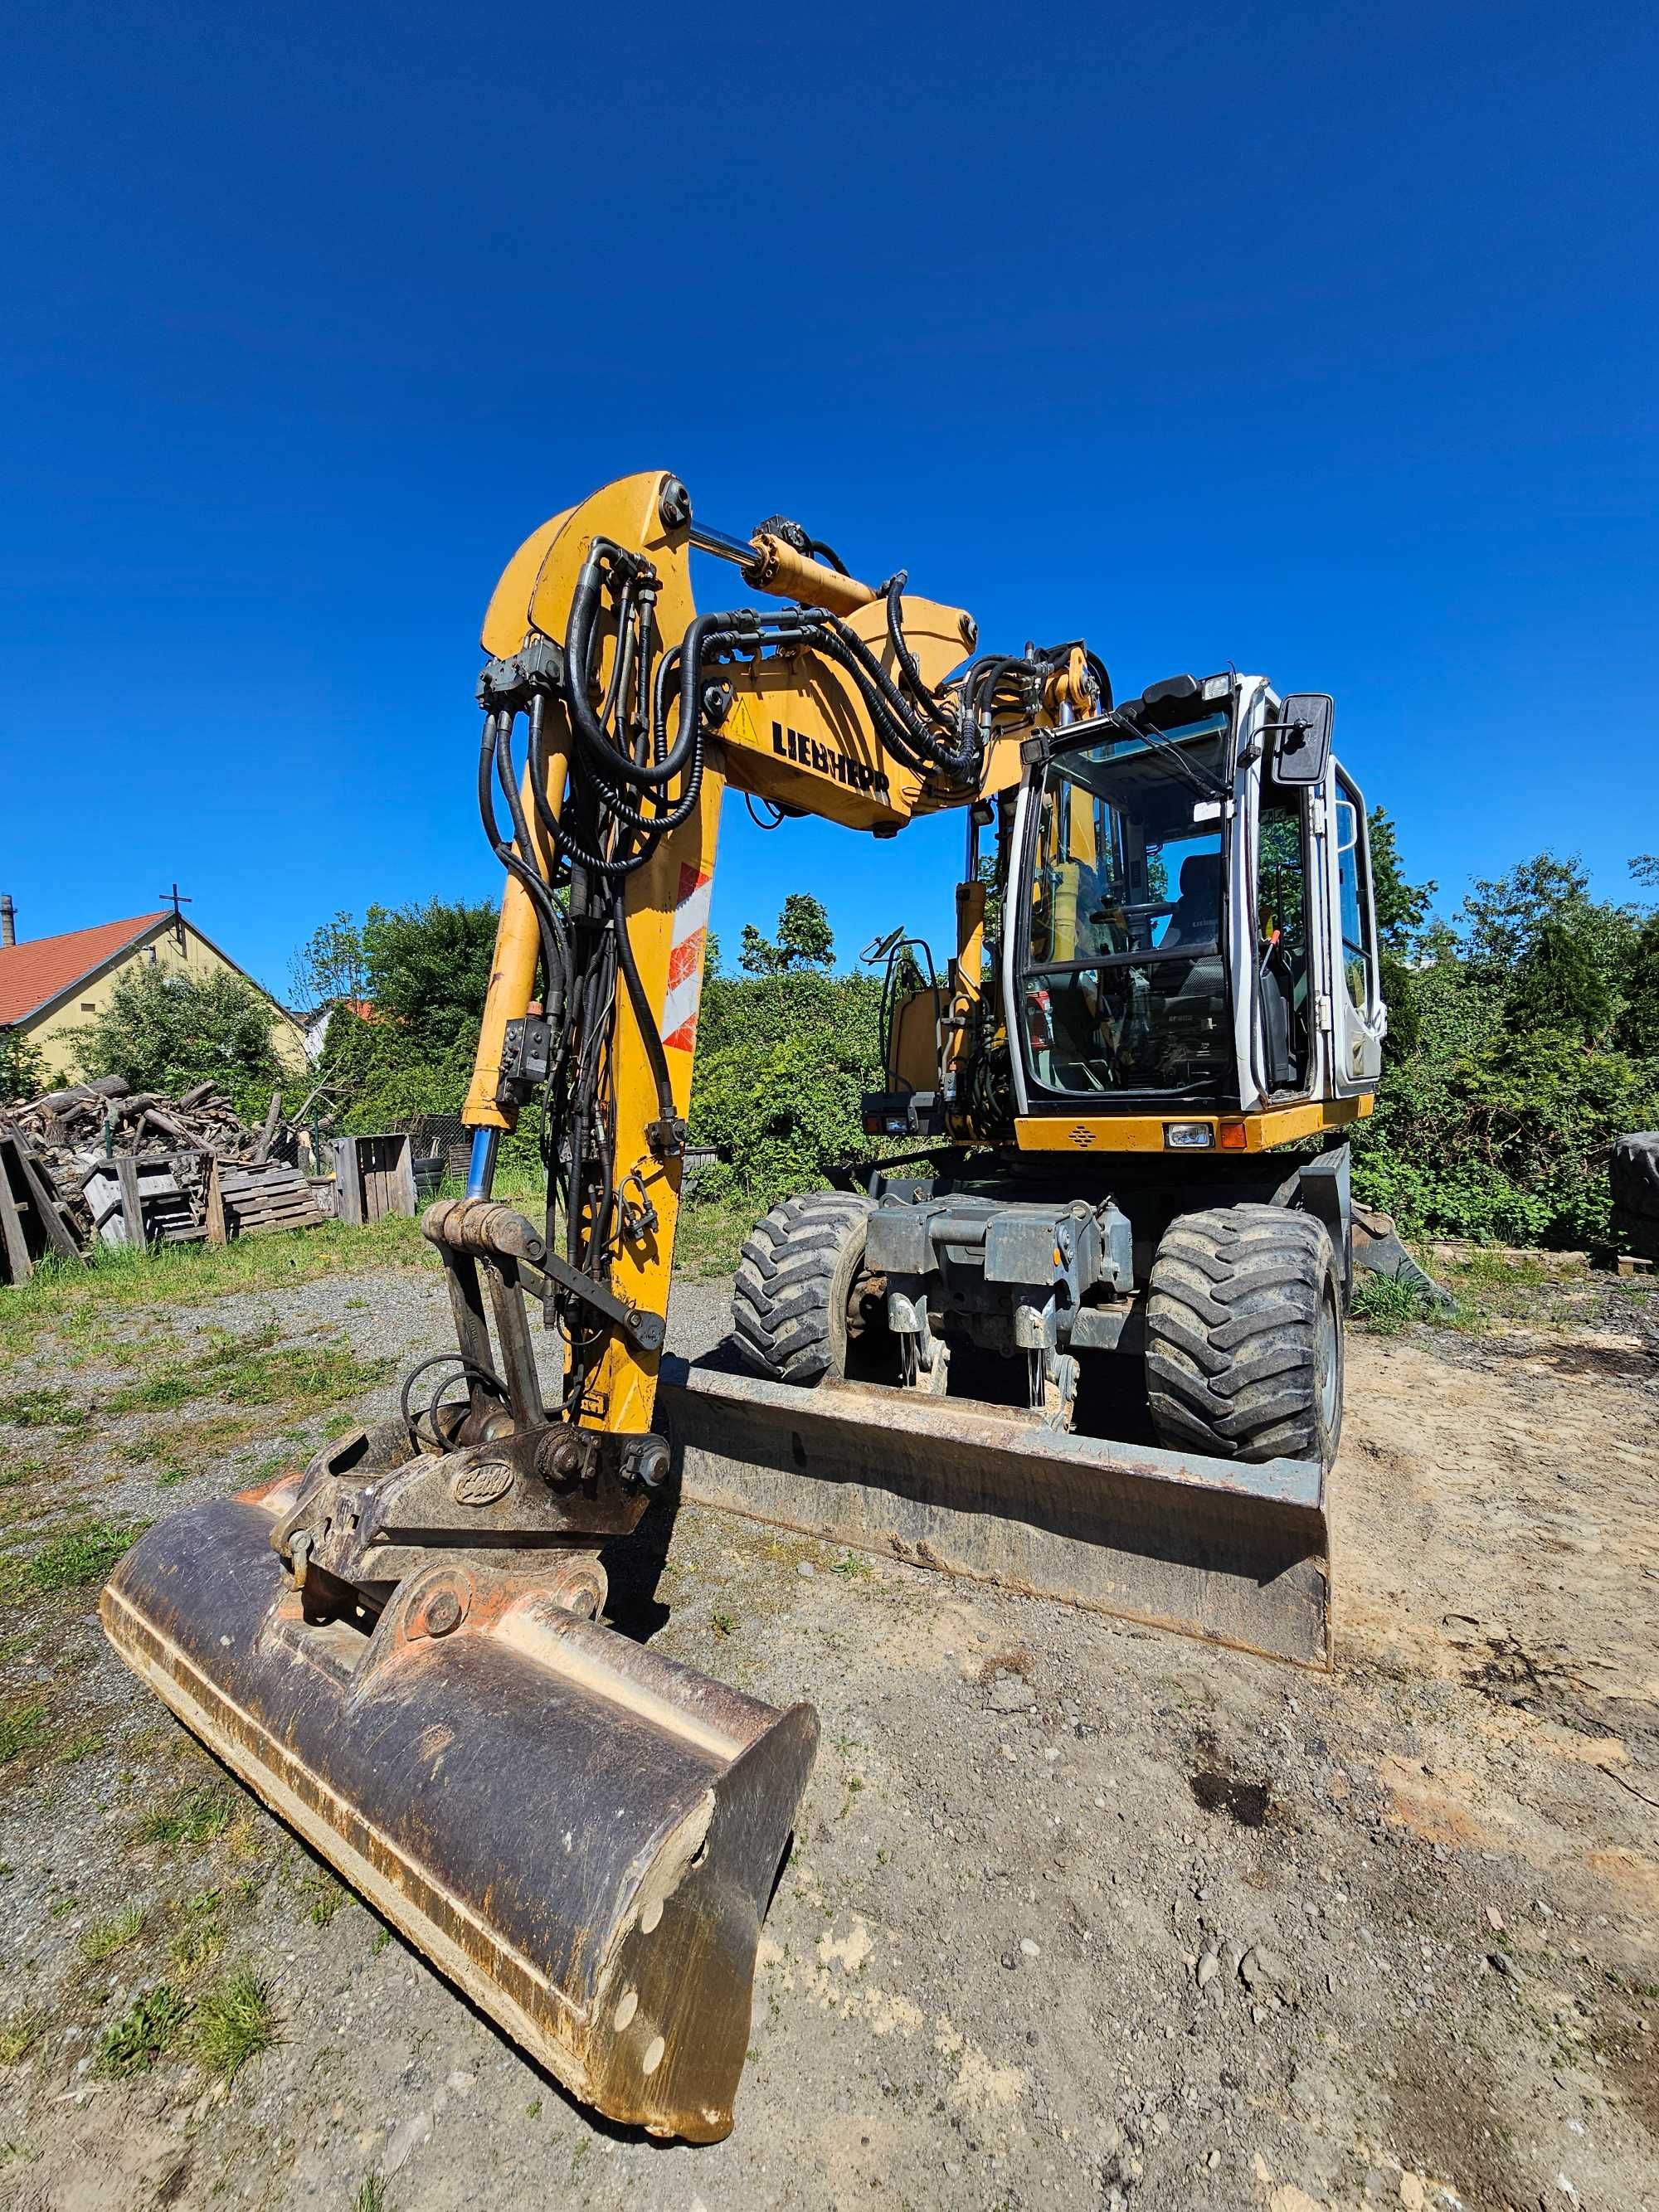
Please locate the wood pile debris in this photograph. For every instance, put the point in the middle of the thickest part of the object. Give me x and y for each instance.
(100, 1162)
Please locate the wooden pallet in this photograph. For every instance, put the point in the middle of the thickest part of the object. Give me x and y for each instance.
(139, 1200)
(374, 1176)
(248, 1200)
(33, 1225)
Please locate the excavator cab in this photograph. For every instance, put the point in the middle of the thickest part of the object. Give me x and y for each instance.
(1194, 928)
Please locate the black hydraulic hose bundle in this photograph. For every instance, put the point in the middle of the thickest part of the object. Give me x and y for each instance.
(627, 785)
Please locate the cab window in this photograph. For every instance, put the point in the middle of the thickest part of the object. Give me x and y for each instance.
(1352, 897)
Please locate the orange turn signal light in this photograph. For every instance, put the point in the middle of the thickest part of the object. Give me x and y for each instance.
(1234, 1137)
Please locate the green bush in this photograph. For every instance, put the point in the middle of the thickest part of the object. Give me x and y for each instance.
(164, 1031)
(1529, 1045)
(783, 1061)
(22, 1069)
(1523, 1039)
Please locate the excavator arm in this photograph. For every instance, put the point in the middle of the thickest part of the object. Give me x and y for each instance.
(398, 1646)
(636, 711)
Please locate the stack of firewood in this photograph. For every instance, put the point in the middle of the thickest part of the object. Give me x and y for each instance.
(63, 1183)
(108, 1116)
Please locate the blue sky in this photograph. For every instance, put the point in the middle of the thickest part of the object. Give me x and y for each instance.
(1317, 340)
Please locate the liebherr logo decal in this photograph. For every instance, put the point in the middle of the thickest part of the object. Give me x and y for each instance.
(792, 744)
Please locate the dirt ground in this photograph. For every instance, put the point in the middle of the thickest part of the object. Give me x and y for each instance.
(1079, 1914)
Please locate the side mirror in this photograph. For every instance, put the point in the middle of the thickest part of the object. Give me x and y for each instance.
(1302, 740)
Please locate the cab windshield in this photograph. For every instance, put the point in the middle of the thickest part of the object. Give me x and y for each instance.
(1123, 985)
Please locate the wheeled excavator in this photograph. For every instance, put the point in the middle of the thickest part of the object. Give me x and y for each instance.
(1075, 1327)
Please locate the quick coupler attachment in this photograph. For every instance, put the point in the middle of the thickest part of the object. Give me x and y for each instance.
(581, 1835)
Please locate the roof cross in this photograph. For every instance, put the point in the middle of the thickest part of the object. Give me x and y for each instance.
(177, 900)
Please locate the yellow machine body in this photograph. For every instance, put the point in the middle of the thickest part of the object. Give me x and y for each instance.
(401, 1646)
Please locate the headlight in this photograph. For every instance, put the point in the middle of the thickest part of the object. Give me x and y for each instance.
(1187, 1137)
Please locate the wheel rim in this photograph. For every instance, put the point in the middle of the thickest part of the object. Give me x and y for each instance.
(1328, 1366)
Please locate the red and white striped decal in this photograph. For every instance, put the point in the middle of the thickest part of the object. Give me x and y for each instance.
(679, 1019)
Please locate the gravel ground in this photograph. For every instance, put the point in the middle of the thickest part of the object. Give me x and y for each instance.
(1079, 1914)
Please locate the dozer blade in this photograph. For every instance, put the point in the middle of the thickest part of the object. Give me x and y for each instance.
(1214, 1548)
(583, 1836)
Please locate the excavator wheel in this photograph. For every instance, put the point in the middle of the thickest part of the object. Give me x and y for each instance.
(800, 1308)
(1245, 1335)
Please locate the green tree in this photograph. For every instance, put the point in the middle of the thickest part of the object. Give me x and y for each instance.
(163, 1031)
(1402, 907)
(783, 1061)
(1567, 977)
(805, 940)
(1502, 915)
(1636, 1030)
(22, 1071)
(428, 967)
(423, 972)
(331, 963)
(1402, 920)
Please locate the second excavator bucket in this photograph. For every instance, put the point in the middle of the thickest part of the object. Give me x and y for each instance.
(583, 1836)
(1234, 1553)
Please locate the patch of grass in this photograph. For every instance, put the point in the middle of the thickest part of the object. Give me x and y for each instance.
(193, 1816)
(710, 1239)
(371, 2194)
(79, 1747)
(194, 1947)
(145, 2032)
(67, 1294)
(326, 1896)
(234, 2022)
(19, 2033)
(16, 1472)
(382, 1937)
(22, 1727)
(850, 1567)
(723, 1624)
(254, 1369)
(79, 1555)
(105, 1937)
(41, 1409)
(1387, 1307)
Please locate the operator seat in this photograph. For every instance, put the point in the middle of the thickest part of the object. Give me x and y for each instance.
(1195, 918)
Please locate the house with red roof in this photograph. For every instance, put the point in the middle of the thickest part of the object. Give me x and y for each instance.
(51, 987)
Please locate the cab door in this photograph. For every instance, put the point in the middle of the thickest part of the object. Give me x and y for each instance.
(1353, 1015)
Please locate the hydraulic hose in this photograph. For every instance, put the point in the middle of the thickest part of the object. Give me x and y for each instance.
(495, 753)
(902, 652)
(645, 1015)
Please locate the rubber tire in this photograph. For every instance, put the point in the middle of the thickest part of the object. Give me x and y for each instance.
(1636, 1234)
(1240, 1299)
(1634, 1174)
(794, 1281)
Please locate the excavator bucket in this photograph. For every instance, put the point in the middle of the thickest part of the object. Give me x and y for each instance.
(1233, 1554)
(583, 1836)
